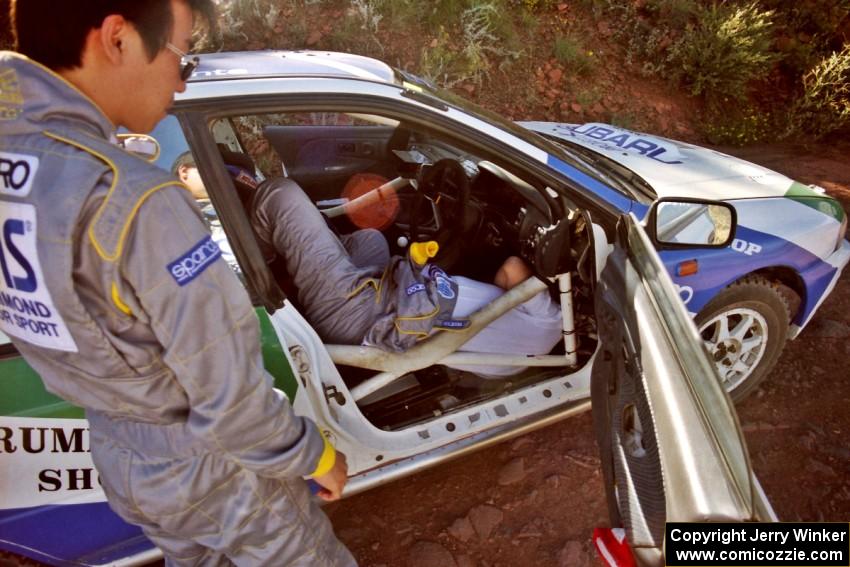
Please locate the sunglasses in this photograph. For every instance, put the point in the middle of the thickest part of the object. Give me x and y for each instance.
(187, 65)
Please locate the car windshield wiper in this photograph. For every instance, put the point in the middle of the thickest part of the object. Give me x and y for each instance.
(617, 174)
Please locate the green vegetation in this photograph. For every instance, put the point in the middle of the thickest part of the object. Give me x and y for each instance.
(728, 49)
(572, 54)
(759, 69)
(587, 97)
(729, 52)
(824, 105)
(732, 124)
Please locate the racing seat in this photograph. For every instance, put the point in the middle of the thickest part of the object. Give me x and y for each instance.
(242, 171)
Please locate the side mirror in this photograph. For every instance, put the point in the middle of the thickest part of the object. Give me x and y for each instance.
(140, 145)
(691, 223)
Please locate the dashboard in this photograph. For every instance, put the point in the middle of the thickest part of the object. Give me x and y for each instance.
(501, 210)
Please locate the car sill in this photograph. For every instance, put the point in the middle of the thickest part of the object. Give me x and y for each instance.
(393, 471)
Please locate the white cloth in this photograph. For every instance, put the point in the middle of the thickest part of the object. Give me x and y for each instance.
(533, 327)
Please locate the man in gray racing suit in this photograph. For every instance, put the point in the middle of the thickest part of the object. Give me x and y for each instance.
(116, 295)
(353, 292)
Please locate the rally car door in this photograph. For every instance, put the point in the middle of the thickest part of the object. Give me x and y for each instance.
(670, 442)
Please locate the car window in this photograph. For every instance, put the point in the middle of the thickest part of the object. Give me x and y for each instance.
(245, 133)
(172, 142)
(177, 158)
(328, 153)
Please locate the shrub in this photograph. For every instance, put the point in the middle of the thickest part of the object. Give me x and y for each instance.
(736, 125)
(482, 46)
(808, 30)
(535, 5)
(570, 52)
(368, 12)
(243, 23)
(824, 104)
(724, 51)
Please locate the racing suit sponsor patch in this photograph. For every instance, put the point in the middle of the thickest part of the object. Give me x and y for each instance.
(192, 264)
(444, 287)
(16, 173)
(443, 282)
(415, 288)
(27, 310)
(452, 324)
(11, 98)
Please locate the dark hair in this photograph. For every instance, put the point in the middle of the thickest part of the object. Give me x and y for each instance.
(53, 32)
(186, 158)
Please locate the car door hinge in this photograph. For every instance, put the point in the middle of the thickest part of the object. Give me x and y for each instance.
(331, 393)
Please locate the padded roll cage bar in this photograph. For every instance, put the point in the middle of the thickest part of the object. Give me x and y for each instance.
(442, 347)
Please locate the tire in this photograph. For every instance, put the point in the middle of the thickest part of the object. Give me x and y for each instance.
(756, 313)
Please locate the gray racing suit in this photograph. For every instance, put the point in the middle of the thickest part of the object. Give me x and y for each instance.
(389, 302)
(114, 292)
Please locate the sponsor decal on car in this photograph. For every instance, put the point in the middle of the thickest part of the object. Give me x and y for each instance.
(686, 292)
(744, 247)
(51, 464)
(235, 72)
(608, 137)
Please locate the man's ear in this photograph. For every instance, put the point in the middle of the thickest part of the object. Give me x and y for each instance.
(112, 37)
(183, 172)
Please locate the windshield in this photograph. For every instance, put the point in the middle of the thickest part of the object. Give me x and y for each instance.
(613, 172)
(578, 159)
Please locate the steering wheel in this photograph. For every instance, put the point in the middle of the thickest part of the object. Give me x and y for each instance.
(446, 185)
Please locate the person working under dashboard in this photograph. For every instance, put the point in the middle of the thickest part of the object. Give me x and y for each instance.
(353, 291)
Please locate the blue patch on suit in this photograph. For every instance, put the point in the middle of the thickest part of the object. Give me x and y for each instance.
(452, 324)
(415, 288)
(444, 287)
(434, 271)
(442, 280)
(191, 264)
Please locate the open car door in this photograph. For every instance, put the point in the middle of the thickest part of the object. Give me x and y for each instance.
(671, 445)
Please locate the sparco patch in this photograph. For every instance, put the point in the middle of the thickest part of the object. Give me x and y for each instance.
(415, 288)
(191, 264)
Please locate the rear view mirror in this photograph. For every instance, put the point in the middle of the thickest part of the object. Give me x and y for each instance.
(692, 223)
(140, 145)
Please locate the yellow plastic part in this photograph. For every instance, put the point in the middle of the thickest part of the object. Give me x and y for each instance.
(420, 252)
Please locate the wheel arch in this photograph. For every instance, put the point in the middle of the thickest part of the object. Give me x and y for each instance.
(789, 278)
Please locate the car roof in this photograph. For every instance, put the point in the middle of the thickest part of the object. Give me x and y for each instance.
(276, 63)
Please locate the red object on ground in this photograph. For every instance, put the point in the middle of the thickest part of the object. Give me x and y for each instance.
(613, 547)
